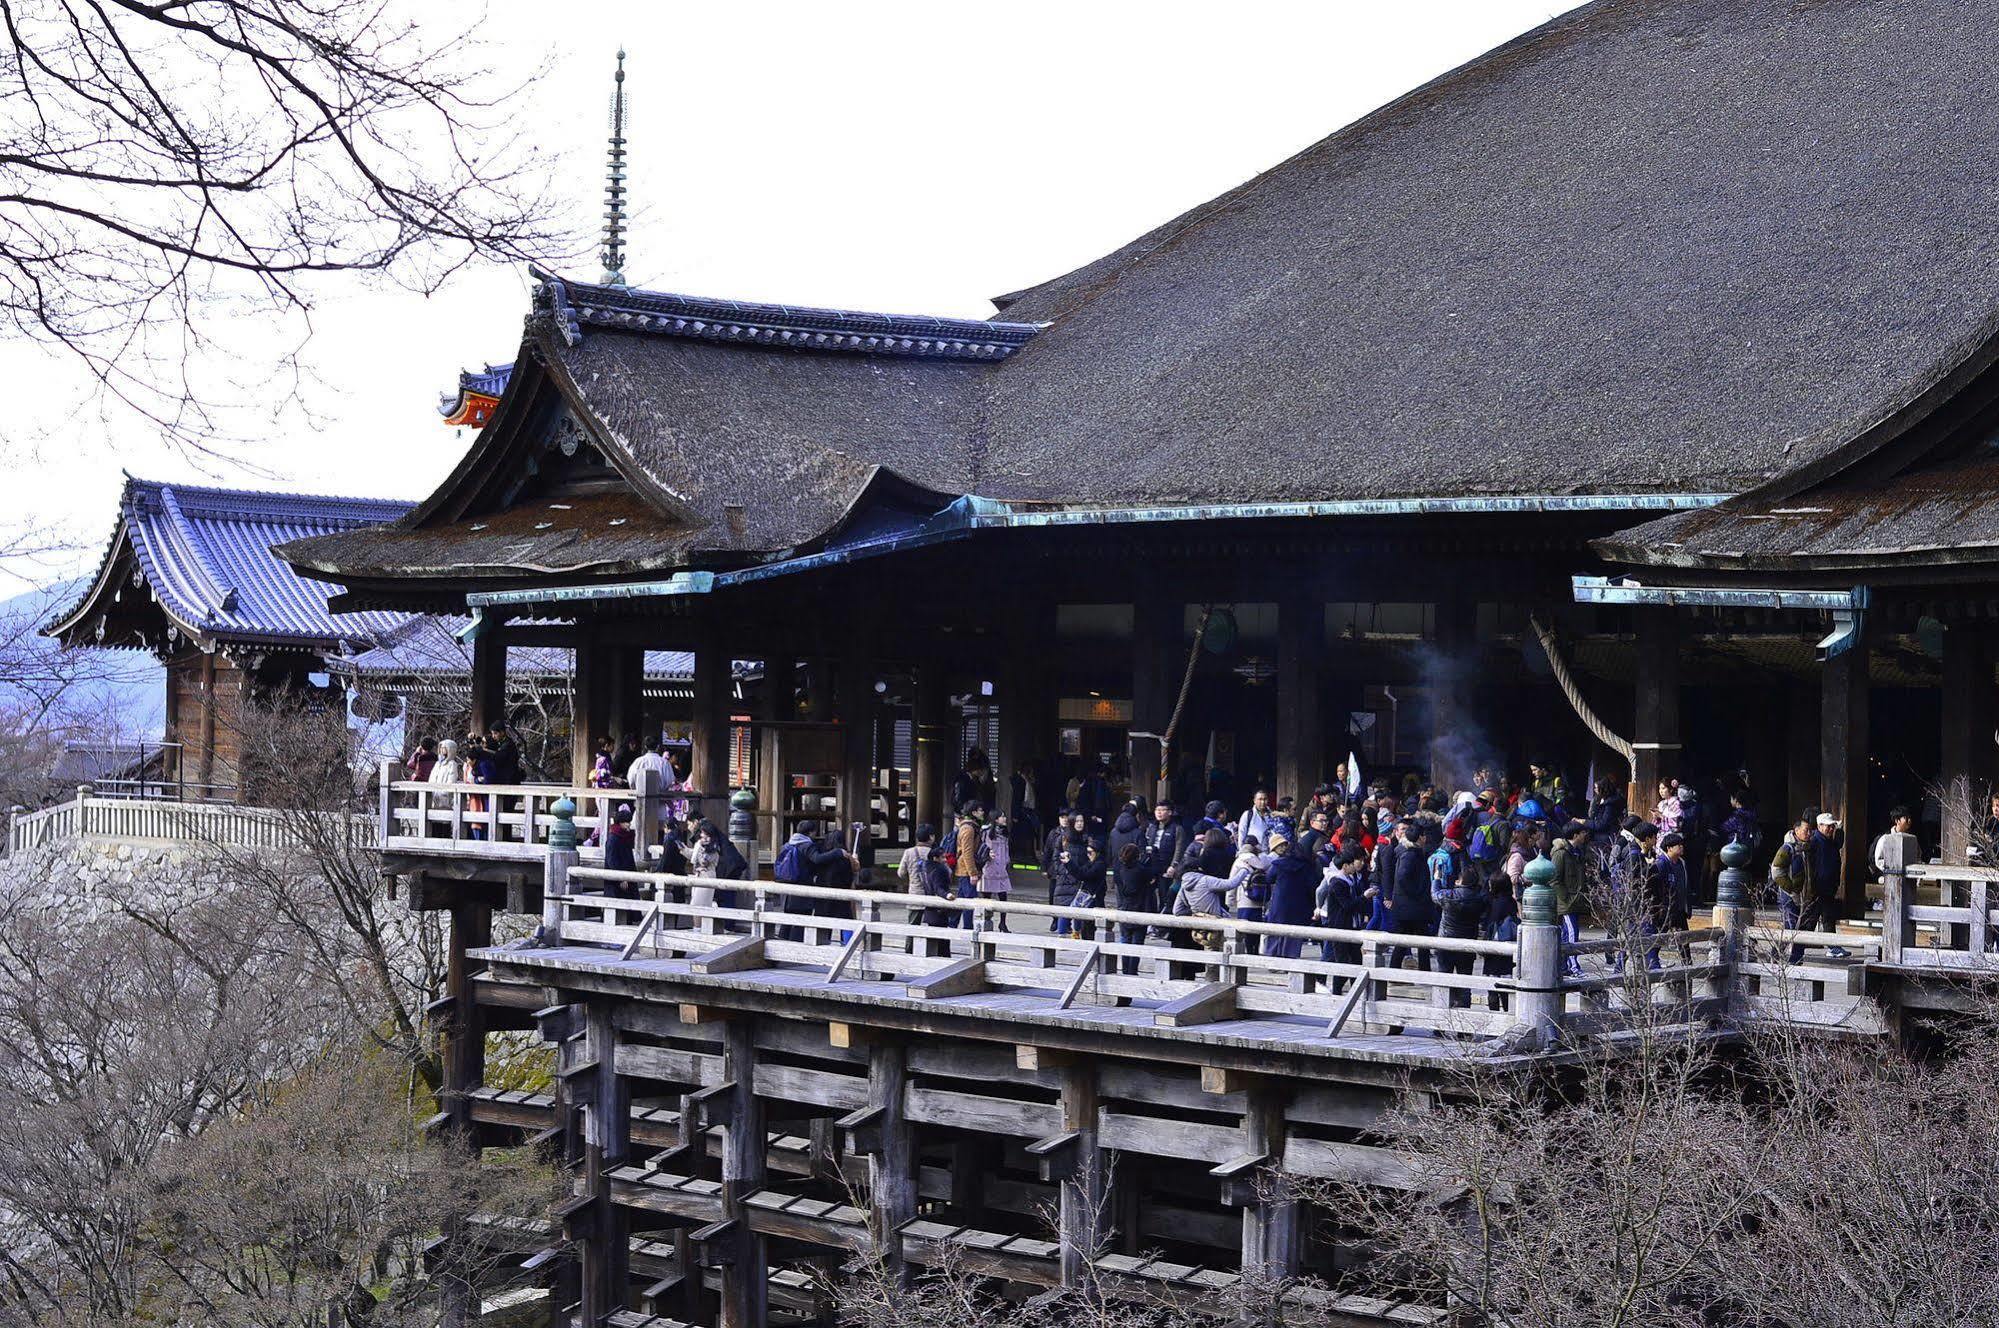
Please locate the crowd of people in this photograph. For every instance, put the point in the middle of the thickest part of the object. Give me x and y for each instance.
(1413, 860)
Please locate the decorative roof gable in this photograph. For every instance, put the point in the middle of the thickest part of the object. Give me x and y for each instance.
(205, 556)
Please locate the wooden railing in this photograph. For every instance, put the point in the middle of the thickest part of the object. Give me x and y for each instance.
(1958, 932)
(28, 830)
(1679, 975)
(514, 820)
(1207, 962)
(143, 821)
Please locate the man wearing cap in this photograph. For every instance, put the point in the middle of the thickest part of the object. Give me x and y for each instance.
(1823, 853)
(1293, 873)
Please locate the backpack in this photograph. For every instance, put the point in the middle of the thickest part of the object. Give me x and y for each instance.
(982, 851)
(1488, 843)
(790, 868)
(934, 875)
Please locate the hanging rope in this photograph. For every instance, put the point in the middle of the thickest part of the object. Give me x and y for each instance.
(1180, 703)
(1575, 695)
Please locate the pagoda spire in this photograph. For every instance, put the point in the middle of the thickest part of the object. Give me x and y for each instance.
(614, 189)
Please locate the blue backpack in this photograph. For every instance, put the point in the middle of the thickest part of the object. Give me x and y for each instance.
(790, 868)
(1489, 842)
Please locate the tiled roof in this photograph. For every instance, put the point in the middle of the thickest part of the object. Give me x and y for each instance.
(206, 556)
(488, 382)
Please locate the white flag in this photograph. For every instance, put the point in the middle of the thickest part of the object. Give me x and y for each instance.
(1353, 774)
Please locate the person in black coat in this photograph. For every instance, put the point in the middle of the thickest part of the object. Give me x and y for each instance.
(1462, 907)
(1135, 889)
(1165, 842)
(1125, 830)
(1342, 904)
(1606, 815)
(1411, 912)
(1316, 839)
(1293, 873)
(833, 868)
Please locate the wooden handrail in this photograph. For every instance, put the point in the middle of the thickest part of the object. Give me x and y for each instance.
(1181, 921)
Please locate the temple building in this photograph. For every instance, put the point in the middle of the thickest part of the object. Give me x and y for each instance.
(1660, 334)
(190, 576)
(1619, 402)
(477, 396)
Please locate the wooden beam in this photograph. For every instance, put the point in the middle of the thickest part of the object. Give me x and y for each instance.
(737, 956)
(1205, 1005)
(893, 1165)
(1271, 1226)
(1080, 1209)
(1843, 760)
(1218, 1080)
(961, 978)
(709, 765)
(1056, 1157)
(850, 1036)
(1655, 731)
(745, 1153)
(1032, 1058)
(704, 1014)
(607, 1143)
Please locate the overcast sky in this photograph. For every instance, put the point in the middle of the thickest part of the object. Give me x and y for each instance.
(913, 158)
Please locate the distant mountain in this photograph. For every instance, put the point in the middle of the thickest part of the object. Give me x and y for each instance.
(94, 695)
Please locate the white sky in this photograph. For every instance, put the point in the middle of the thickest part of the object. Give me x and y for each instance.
(907, 157)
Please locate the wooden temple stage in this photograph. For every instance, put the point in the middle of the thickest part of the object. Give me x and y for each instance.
(750, 1092)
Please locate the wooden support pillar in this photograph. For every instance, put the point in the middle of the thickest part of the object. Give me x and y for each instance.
(1301, 737)
(1843, 750)
(1655, 729)
(1801, 775)
(708, 768)
(589, 703)
(777, 705)
(1081, 1207)
(1270, 1217)
(624, 685)
(1452, 672)
(465, 1027)
(607, 1144)
(489, 676)
(204, 760)
(1968, 722)
(892, 1167)
(1010, 687)
(1157, 665)
(857, 706)
(745, 1274)
(933, 743)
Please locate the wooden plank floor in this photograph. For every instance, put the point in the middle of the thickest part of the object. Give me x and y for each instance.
(1024, 1007)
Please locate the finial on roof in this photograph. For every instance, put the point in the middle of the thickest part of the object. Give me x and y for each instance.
(614, 191)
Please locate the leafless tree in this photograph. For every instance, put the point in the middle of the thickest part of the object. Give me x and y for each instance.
(320, 1203)
(187, 1118)
(122, 1034)
(160, 162)
(323, 889)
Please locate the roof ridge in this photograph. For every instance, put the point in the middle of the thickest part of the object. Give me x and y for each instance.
(208, 580)
(786, 326)
(214, 501)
